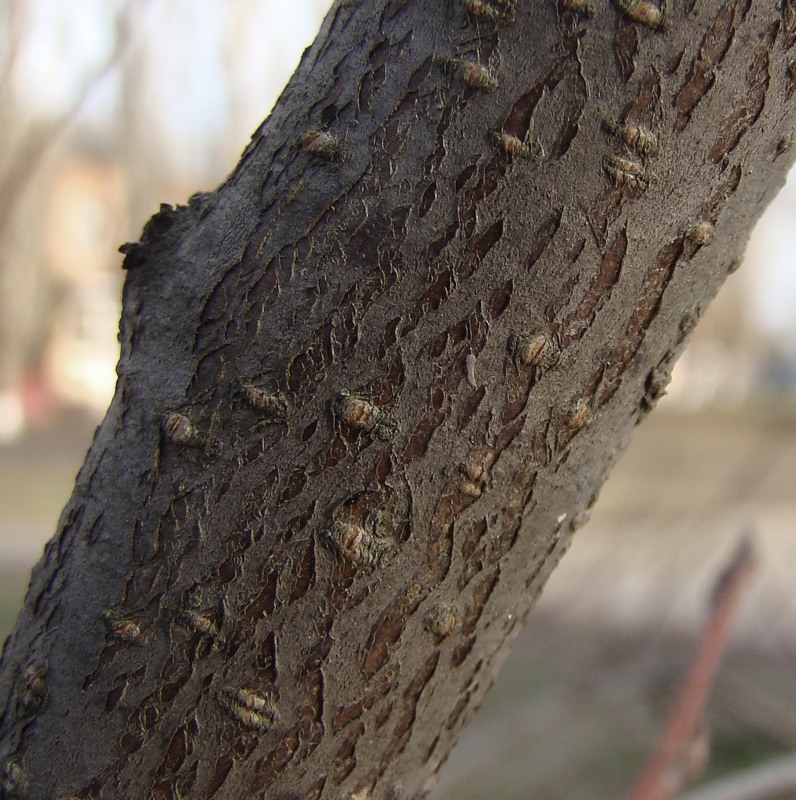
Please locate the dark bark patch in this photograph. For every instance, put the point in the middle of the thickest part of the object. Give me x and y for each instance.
(431, 750)
(403, 728)
(391, 332)
(265, 601)
(113, 697)
(518, 390)
(625, 48)
(207, 375)
(655, 282)
(507, 435)
(380, 52)
(218, 299)
(130, 742)
(387, 388)
(518, 121)
(317, 653)
(228, 569)
(789, 22)
(92, 536)
(309, 431)
(300, 372)
(418, 77)
(739, 122)
(459, 655)
(295, 485)
(647, 306)
(570, 116)
(346, 755)
(383, 717)
(372, 80)
(438, 290)
(169, 691)
(478, 601)
(506, 538)
(472, 540)
(711, 53)
(542, 237)
(458, 710)
(790, 79)
(636, 132)
(598, 292)
(303, 574)
(439, 244)
(723, 193)
(440, 549)
(177, 750)
(569, 132)
(265, 661)
(348, 714)
(435, 158)
(487, 240)
(439, 345)
(470, 406)
(464, 329)
(383, 468)
(602, 213)
(387, 631)
(276, 760)
(346, 749)
(427, 199)
(221, 769)
(420, 439)
(464, 176)
(394, 136)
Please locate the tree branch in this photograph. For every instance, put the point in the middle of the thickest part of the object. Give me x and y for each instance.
(42, 137)
(663, 776)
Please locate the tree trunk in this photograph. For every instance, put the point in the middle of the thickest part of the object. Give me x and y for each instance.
(370, 386)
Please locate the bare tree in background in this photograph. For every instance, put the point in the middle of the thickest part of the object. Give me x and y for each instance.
(140, 148)
(21, 276)
(370, 387)
(26, 163)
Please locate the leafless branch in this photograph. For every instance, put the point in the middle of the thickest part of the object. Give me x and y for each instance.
(16, 22)
(37, 143)
(662, 778)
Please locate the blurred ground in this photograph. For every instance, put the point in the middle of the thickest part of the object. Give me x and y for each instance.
(37, 473)
(581, 699)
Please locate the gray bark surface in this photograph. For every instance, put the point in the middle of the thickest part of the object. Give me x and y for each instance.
(370, 387)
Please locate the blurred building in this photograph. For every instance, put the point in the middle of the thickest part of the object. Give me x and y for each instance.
(86, 221)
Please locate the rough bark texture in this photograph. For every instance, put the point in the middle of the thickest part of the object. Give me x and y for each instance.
(370, 387)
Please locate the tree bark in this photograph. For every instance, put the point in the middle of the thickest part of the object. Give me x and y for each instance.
(370, 387)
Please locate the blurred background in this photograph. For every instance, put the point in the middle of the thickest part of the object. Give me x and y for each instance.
(110, 107)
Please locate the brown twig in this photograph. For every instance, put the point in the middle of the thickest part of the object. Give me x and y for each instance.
(660, 779)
